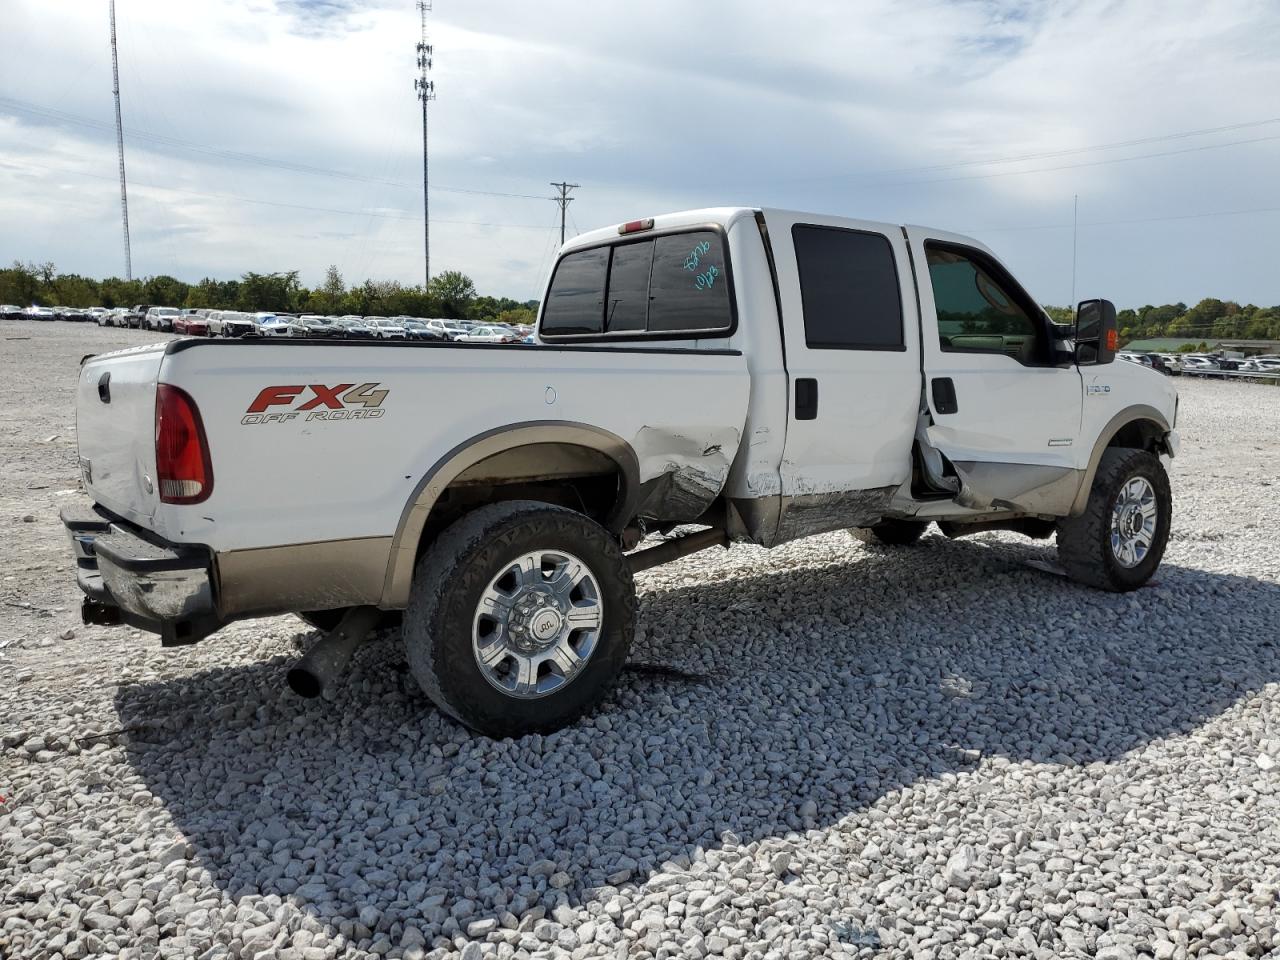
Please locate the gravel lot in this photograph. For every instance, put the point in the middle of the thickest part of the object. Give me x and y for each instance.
(925, 752)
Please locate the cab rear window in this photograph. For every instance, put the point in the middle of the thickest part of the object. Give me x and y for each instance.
(674, 285)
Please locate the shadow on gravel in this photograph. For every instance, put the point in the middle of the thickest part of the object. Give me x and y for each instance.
(805, 719)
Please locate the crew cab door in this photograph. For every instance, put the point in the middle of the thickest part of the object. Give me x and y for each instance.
(853, 368)
(1005, 407)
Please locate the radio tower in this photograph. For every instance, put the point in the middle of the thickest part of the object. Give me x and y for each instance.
(426, 92)
(124, 193)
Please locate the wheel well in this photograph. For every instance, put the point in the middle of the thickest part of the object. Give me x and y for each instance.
(566, 474)
(1138, 435)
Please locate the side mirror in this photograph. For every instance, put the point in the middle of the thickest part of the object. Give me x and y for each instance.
(1096, 336)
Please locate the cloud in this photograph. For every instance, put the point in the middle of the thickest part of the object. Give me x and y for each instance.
(877, 109)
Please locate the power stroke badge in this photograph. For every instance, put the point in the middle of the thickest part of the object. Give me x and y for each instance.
(316, 401)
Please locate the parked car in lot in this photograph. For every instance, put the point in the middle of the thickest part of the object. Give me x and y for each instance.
(351, 328)
(193, 323)
(836, 374)
(452, 329)
(418, 330)
(233, 323)
(161, 319)
(386, 329)
(272, 325)
(134, 315)
(312, 325)
(1261, 365)
(489, 335)
(1194, 364)
(71, 314)
(38, 313)
(10, 311)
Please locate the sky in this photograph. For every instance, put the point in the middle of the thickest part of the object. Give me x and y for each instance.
(274, 135)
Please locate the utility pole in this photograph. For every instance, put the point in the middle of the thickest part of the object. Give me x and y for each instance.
(564, 200)
(124, 193)
(426, 92)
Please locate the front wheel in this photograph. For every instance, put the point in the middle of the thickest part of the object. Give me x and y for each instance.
(520, 618)
(1119, 540)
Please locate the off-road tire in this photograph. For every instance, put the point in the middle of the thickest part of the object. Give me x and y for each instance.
(891, 533)
(1084, 542)
(454, 571)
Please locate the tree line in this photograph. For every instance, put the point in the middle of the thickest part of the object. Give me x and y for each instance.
(1209, 320)
(450, 294)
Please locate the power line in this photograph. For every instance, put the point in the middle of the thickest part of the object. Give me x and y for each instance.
(1114, 223)
(60, 116)
(563, 200)
(299, 206)
(1051, 154)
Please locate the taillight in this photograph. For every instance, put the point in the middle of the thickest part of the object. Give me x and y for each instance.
(183, 467)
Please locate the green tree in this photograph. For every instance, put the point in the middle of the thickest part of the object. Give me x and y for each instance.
(454, 291)
(164, 291)
(269, 291)
(20, 284)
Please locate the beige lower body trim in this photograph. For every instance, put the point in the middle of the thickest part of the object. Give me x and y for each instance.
(302, 576)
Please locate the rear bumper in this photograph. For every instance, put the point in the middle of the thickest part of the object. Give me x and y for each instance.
(154, 585)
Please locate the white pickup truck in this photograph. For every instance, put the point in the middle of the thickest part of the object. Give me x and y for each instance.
(762, 374)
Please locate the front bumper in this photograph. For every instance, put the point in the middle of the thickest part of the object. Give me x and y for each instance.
(142, 580)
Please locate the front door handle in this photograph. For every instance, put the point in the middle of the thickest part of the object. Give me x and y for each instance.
(806, 398)
(944, 395)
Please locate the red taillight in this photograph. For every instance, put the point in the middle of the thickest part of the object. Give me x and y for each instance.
(635, 226)
(183, 469)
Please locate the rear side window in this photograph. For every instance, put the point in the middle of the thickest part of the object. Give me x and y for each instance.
(675, 284)
(575, 302)
(849, 289)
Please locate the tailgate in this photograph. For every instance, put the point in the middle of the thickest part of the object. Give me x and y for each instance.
(116, 430)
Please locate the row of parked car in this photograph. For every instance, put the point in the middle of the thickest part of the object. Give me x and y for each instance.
(237, 323)
(1204, 364)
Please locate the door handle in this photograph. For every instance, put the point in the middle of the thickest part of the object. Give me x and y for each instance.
(806, 398)
(944, 395)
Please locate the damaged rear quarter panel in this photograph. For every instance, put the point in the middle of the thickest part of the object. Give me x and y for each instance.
(683, 469)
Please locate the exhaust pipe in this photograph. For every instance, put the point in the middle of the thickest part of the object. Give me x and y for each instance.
(324, 663)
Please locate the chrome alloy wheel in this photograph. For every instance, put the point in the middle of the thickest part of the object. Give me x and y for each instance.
(1133, 522)
(537, 624)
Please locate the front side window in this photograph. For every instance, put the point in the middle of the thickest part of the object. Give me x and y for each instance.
(979, 312)
(674, 284)
(848, 289)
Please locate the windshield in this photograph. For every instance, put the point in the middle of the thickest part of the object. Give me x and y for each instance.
(166, 311)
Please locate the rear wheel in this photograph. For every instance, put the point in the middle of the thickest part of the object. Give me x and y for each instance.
(1119, 540)
(892, 533)
(520, 617)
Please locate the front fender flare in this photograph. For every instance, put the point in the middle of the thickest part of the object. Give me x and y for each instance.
(1134, 414)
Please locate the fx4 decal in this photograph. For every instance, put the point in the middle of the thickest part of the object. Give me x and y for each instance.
(318, 402)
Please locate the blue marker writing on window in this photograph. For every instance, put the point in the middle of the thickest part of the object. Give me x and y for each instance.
(694, 259)
(704, 281)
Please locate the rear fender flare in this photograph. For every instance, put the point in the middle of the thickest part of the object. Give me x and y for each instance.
(413, 518)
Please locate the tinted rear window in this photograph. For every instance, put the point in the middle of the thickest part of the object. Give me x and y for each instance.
(629, 286)
(672, 284)
(575, 302)
(848, 288)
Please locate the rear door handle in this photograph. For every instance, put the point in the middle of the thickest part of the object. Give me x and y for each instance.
(806, 398)
(944, 395)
